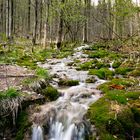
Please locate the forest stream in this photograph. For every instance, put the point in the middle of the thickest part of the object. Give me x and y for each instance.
(64, 118)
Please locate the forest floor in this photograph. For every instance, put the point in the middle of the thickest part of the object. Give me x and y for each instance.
(13, 75)
(117, 114)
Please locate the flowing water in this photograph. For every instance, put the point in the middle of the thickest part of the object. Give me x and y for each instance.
(64, 118)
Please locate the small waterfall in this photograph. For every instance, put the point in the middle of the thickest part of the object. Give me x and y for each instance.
(37, 133)
(111, 66)
(65, 116)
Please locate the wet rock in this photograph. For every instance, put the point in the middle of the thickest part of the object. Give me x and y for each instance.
(91, 79)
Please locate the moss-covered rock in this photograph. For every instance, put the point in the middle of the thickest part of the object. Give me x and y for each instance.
(92, 79)
(102, 73)
(116, 64)
(114, 127)
(50, 93)
(23, 125)
(98, 54)
(65, 82)
(135, 72)
(123, 70)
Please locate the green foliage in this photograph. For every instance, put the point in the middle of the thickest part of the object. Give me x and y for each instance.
(68, 82)
(123, 70)
(10, 93)
(50, 93)
(116, 64)
(86, 65)
(114, 127)
(122, 96)
(22, 125)
(91, 80)
(102, 73)
(98, 46)
(129, 124)
(42, 73)
(98, 54)
(99, 113)
(135, 72)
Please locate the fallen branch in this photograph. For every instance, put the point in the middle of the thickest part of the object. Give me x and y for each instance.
(17, 76)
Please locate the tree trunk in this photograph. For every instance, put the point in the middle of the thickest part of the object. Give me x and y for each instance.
(60, 31)
(29, 16)
(36, 23)
(41, 18)
(7, 18)
(1, 16)
(110, 20)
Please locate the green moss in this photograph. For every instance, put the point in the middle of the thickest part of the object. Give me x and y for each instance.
(91, 80)
(114, 55)
(102, 73)
(122, 96)
(68, 82)
(98, 46)
(98, 114)
(116, 64)
(123, 70)
(133, 95)
(42, 73)
(10, 93)
(106, 136)
(98, 54)
(136, 113)
(129, 124)
(117, 95)
(87, 65)
(22, 125)
(135, 72)
(50, 93)
(114, 127)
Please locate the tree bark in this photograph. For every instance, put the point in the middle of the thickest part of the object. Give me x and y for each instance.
(35, 23)
(60, 31)
(29, 16)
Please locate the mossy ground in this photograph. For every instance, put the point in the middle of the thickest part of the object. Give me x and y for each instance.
(115, 115)
(23, 53)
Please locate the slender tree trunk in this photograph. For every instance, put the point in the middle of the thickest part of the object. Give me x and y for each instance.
(7, 18)
(41, 18)
(36, 23)
(60, 31)
(1, 16)
(85, 37)
(110, 20)
(12, 17)
(46, 25)
(29, 16)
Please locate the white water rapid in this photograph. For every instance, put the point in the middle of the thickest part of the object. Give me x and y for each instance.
(64, 119)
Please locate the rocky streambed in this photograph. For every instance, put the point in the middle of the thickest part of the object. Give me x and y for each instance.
(64, 119)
